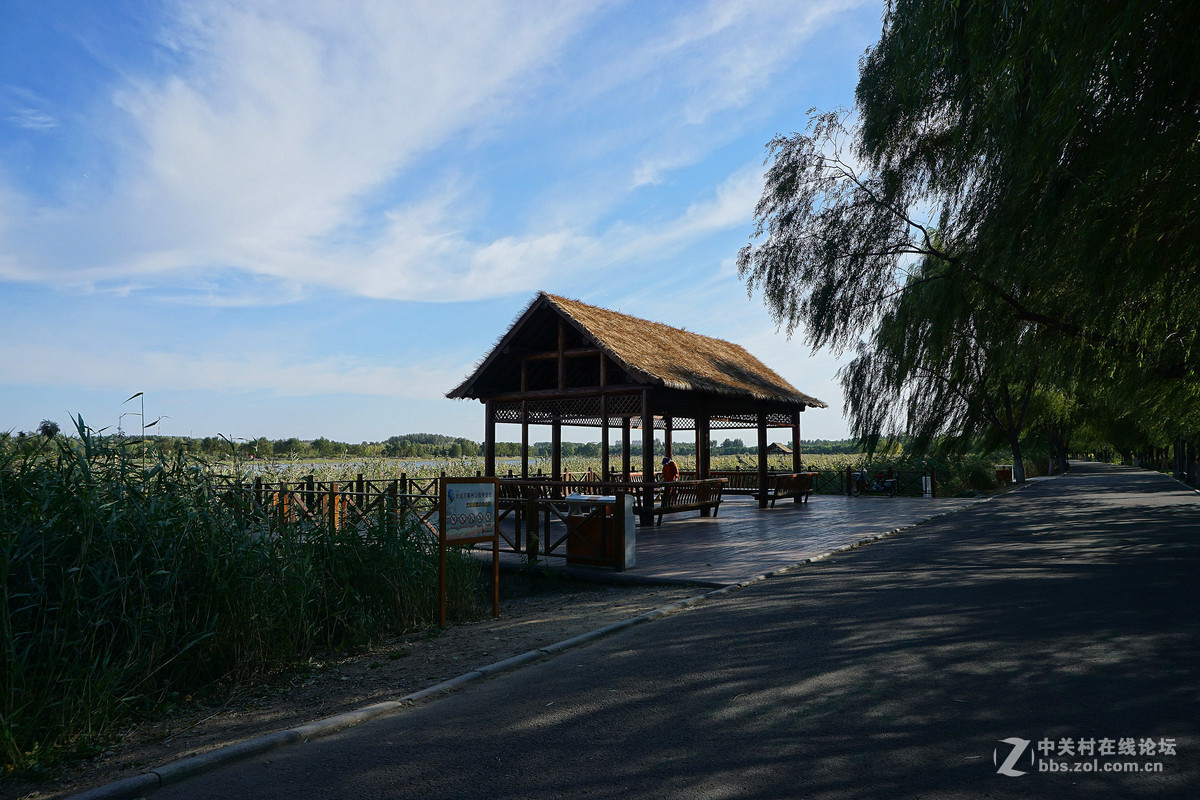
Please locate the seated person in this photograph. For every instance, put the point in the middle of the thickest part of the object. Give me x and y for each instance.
(670, 470)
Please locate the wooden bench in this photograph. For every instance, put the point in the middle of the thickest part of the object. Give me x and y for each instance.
(798, 485)
(780, 486)
(680, 496)
(738, 481)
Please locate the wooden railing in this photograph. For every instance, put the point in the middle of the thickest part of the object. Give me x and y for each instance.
(338, 504)
(910, 483)
(334, 505)
(831, 481)
(593, 538)
(742, 481)
(534, 504)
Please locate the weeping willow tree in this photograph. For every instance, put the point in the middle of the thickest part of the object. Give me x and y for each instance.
(1039, 162)
(960, 375)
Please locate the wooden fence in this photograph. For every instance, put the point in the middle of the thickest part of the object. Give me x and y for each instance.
(334, 505)
(338, 504)
(910, 483)
(593, 537)
(355, 504)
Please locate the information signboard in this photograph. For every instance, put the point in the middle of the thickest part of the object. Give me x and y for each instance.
(467, 515)
(470, 509)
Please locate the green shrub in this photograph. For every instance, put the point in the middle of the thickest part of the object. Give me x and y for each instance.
(127, 584)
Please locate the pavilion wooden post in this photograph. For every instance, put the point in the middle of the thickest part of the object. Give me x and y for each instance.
(556, 451)
(524, 439)
(667, 437)
(556, 424)
(647, 460)
(702, 464)
(797, 461)
(489, 440)
(604, 460)
(762, 460)
(625, 447)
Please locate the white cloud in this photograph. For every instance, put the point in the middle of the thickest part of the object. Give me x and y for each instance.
(422, 255)
(32, 119)
(726, 55)
(732, 204)
(37, 364)
(26, 109)
(287, 116)
(278, 145)
(758, 39)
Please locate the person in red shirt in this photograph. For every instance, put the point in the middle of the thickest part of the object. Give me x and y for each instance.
(670, 473)
(670, 470)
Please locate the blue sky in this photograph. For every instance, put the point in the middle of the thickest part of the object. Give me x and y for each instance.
(312, 219)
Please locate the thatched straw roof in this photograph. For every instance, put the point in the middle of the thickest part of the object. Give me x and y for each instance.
(679, 359)
(657, 354)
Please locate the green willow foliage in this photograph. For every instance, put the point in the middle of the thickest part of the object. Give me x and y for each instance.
(1021, 184)
(125, 584)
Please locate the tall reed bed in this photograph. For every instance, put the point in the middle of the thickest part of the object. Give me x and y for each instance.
(125, 584)
(287, 470)
(956, 474)
(386, 469)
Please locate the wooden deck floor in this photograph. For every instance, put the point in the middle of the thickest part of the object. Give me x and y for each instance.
(745, 541)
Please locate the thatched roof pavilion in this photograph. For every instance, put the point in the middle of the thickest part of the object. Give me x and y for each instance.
(563, 362)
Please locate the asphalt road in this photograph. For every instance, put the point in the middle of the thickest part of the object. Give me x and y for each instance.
(1064, 613)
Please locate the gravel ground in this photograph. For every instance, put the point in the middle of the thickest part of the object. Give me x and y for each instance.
(398, 667)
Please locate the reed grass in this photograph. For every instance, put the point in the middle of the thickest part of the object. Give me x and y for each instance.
(957, 475)
(128, 586)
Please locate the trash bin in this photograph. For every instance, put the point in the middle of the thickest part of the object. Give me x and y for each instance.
(1004, 473)
(607, 539)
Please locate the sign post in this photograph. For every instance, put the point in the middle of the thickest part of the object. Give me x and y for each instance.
(467, 515)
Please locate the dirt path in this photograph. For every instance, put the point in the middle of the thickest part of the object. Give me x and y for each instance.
(396, 668)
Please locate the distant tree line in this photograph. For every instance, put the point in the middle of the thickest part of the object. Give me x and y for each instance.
(417, 445)
(412, 445)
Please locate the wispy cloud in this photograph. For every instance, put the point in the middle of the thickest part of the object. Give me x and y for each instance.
(26, 109)
(725, 56)
(286, 139)
(37, 364)
(228, 175)
(32, 119)
(285, 118)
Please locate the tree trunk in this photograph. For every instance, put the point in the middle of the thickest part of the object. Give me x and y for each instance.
(1013, 431)
(1014, 441)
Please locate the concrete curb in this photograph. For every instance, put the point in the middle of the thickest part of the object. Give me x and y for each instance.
(175, 771)
(1184, 484)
